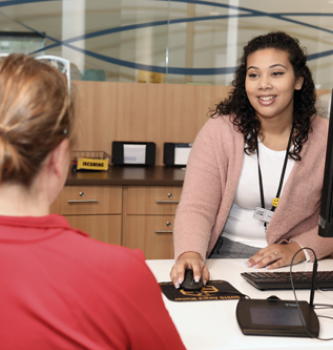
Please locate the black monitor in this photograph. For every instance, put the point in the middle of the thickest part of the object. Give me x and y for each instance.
(326, 212)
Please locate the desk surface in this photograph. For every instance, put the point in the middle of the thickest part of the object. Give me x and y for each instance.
(128, 176)
(212, 325)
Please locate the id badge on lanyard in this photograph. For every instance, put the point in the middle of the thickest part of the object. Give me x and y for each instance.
(263, 214)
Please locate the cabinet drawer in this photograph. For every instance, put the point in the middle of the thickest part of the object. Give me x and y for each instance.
(153, 200)
(88, 200)
(105, 228)
(152, 234)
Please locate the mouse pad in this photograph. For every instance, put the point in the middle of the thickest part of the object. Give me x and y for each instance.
(214, 290)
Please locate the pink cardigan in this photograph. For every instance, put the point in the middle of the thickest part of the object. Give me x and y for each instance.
(211, 179)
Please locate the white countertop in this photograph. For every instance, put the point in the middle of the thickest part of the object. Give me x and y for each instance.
(212, 325)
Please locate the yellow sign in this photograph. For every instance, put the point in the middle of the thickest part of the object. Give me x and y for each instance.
(92, 164)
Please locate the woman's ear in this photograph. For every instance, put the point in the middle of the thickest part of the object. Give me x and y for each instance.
(52, 176)
(299, 83)
(58, 161)
(55, 170)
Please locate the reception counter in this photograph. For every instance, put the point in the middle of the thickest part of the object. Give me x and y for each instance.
(212, 325)
(129, 176)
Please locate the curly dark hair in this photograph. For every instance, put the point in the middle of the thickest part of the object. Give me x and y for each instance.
(243, 115)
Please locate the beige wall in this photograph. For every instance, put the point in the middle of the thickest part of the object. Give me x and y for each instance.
(143, 112)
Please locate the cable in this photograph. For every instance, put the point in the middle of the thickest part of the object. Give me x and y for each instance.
(300, 313)
(331, 318)
(324, 306)
(325, 289)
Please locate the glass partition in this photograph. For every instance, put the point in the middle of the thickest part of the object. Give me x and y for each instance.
(166, 41)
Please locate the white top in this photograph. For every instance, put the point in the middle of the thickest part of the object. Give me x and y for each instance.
(241, 226)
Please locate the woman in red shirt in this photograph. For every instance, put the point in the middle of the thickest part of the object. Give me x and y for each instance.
(58, 288)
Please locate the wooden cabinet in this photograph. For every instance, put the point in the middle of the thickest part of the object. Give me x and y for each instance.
(88, 200)
(151, 234)
(138, 217)
(149, 219)
(96, 210)
(155, 200)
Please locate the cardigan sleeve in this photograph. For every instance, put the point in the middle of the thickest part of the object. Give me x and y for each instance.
(309, 238)
(200, 198)
(296, 218)
(204, 186)
(322, 246)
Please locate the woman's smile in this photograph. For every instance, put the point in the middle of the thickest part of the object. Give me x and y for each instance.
(266, 100)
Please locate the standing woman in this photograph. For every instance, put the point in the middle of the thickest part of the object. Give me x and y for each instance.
(254, 177)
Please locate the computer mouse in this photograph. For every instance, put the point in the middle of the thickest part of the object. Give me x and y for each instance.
(273, 297)
(189, 283)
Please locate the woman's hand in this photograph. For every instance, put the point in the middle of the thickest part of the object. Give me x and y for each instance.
(192, 261)
(276, 255)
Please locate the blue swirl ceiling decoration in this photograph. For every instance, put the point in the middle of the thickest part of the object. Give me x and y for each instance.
(172, 70)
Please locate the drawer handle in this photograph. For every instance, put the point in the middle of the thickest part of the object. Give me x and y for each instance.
(72, 201)
(162, 231)
(163, 202)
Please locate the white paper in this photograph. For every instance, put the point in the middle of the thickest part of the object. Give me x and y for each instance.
(181, 155)
(134, 154)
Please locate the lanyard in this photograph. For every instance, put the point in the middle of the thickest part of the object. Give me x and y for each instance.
(276, 200)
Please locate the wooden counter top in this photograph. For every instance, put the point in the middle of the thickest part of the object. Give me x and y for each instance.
(129, 176)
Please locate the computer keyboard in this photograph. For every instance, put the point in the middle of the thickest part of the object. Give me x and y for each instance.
(281, 280)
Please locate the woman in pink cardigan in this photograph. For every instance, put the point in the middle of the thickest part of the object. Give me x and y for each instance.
(254, 176)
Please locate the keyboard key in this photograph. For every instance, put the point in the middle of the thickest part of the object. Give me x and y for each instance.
(281, 280)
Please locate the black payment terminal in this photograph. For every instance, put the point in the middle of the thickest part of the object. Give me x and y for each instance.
(275, 317)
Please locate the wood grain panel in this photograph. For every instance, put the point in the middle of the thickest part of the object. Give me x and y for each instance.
(141, 112)
(142, 200)
(105, 228)
(188, 110)
(119, 112)
(110, 111)
(109, 200)
(141, 234)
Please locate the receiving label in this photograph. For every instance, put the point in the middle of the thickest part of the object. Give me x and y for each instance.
(134, 154)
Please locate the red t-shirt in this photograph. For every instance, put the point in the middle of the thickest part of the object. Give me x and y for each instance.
(60, 289)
